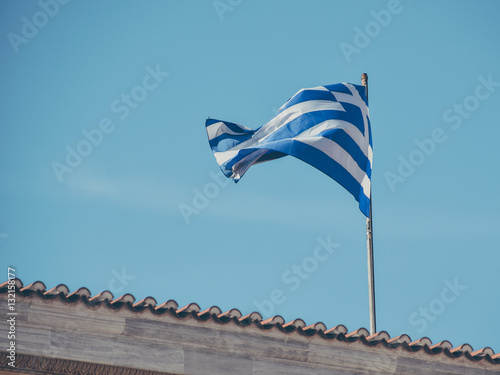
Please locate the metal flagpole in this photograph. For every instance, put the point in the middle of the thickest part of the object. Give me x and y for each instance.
(369, 243)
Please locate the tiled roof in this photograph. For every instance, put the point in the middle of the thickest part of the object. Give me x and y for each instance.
(234, 316)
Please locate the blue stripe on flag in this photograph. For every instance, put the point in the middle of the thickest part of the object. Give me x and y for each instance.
(343, 140)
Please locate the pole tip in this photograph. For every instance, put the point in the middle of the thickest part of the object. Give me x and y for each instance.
(364, 79)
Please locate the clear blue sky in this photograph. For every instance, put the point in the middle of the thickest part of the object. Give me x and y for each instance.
(140, 78)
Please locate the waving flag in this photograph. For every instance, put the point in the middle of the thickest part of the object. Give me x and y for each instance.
(328, 127)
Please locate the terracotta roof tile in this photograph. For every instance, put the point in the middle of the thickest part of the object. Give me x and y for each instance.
(294, 324)
(316, 327)
(126, 298)
(340, 329)
(378, 337)
(360, 332)
(167, 306)
(234, 316)
(483, 352)
(233, 313)
(61, 288)
(33, 287)
(420, 343)
(192, 307)
(101, 297)
(211, 311)
(250, 318)
(401, 339)
(148, 301)
(440, 346)
(462, 349)
(273, 321)
(82, 292)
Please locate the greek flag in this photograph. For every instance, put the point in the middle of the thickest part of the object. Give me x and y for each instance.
(327, 127)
